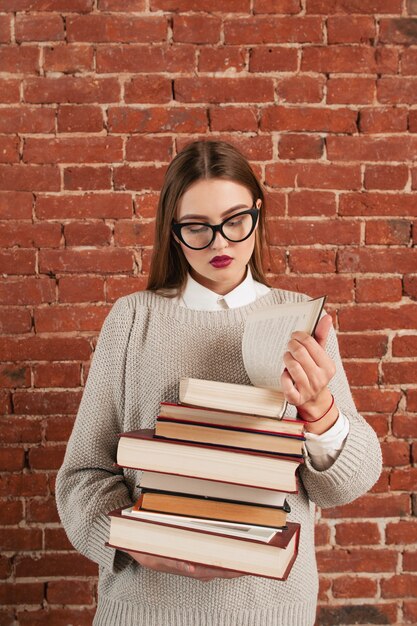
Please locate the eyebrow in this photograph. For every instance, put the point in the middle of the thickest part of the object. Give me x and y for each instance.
(204, 217)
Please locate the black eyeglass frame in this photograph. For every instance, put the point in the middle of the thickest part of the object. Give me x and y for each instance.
(177, 227)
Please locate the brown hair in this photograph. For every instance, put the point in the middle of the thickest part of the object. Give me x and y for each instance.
(200, 160)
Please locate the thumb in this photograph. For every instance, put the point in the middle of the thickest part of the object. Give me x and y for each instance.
(322, 330)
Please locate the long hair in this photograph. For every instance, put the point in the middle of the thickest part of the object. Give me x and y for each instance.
(200, 160)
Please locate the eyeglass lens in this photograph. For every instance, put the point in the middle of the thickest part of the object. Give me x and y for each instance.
(235, 229)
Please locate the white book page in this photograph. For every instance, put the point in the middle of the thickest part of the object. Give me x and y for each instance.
(266, 337)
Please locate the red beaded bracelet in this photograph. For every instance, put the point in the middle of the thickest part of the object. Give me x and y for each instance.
(321, 416)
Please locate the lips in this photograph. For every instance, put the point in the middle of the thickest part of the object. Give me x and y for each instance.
(221, 261)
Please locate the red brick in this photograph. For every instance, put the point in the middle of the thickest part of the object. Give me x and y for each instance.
(150, 88)
(146, 204)
(308, 119)
(374, 204)
(383, 120)
(402, 532)
(137, 58)
(410, 286)
(392, 90)
(351, 29)
(116, 28)
(56, 539)
(134, 233)
(337, 59)
(371, 260)
(92, 206)
(386, 177)
(70, 318)
(11, 512)
(58, 428)
(196, 29)
(142, 148)
(157, 119)
(17, 262)
(311, 203)
(372, 505)
(216, 90)
(9, 90)
(73, 150)
(82, 261)
(18, 430)
(305, 232)
(387, 60)
(354, 533)
(221, 59)
(337, 289)
(408, 61)
(5, 28)
(29, 177)
(81, 118)
(399, 372)
(69, 58)
(19, 59)
(380, 424)
(46, 458)
(21, 593)
(357, 560)
(56, 375)
(347, 6)
(46, 403)
(27, 291)
(23, 485)
(9, 149)
(69, 592)
(42, 511)
(301, 88)
(73, 89)
(39, 27)
(404, 479)
(400, 586)
(138, 177)
(300, 147)
(361, 148)
(57, 617)
(28, 235)
(272, 59)
(404, 345)
(410, 561)
(25, 119)
(121, 286)
(404, 425)
(12, 459)
(321, 534)
(87, 234)
(284, 7)
(239, 6)
(14, 375)
(81, 289)
(362, 373)
(266, 29)
(21, 539)
(397, 30)
(312, 261)
(5, 570)
(15, 205)
(362, 345)
(395, 453)
(87, 178)
(79, 6)
(354, 587)
(233, 118)
(350, 91)
(54, 565)
(45, 349)
(378, 290)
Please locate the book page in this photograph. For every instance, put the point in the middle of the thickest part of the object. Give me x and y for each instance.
(266, 337)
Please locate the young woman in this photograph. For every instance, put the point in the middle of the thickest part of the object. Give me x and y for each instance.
(206, 276)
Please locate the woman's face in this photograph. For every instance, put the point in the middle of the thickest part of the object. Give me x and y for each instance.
(212, 201)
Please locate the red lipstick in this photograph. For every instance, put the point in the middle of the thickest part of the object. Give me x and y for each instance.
(221, 261)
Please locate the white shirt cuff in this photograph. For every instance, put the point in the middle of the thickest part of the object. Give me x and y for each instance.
(324, 449)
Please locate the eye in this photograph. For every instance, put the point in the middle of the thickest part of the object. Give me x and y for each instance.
(195, 229)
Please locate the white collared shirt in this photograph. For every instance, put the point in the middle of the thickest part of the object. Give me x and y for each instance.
(323, 449)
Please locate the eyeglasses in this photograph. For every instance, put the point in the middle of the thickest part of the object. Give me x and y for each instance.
(199, 235)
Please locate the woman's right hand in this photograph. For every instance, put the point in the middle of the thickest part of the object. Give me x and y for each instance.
(204, 573)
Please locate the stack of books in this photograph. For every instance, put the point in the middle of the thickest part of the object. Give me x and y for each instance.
(215, 480)
(218, 466)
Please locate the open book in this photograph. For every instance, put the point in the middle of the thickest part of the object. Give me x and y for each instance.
(265, 339)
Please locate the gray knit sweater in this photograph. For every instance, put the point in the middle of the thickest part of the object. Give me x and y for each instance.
(146, 344)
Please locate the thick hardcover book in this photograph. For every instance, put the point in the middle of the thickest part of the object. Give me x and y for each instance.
(273, 559)
(211, 508)
(140, 450)
(227, 419)
(227, 437)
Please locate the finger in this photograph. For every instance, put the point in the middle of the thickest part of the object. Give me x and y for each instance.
(322, 330)
(297, 372)
(302, 344)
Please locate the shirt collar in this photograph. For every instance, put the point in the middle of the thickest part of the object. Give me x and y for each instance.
(197, 297)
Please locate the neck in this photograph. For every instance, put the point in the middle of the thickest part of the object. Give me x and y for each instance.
(221, 288)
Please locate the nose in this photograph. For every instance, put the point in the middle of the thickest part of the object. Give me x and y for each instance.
(219, 242)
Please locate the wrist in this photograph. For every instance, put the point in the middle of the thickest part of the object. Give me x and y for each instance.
(319, 414)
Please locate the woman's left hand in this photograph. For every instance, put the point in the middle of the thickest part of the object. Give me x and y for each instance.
(308, 367)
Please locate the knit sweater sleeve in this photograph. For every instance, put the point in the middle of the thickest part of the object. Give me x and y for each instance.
(88, 484)
(359, 464)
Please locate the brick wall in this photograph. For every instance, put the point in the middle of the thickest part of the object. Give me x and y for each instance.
(96, 97)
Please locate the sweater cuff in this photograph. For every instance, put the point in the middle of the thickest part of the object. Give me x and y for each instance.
(109, 558)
